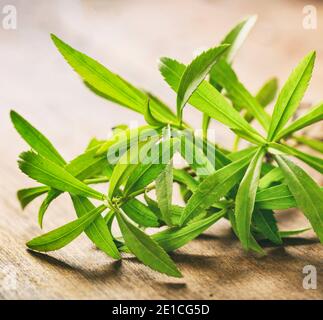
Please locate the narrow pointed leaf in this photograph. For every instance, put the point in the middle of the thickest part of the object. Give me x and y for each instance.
(49, 173)
(51, 196)
(176, 237)
(291, 95)
(183, 177)
(265, 222)
(264, 96)
(308, 195)
(126, 164)
(213, 187)
(35, 139)
(238, 93)
(82, 167)
(314, 144)
(267, 92)
(208, 100)
(195, 73)
(154, 160)
(237, 36)
(108, 84)
(237, 155)
(176, 210)
(98, 231)
(125, 138)
(275, 198)
(274, 175)
(253, 244)
(245, 199)
(140, 213)
(87, 165)
(146, 249)
(164, 192)
(192, 151)
(150, 119)
(313, 116)
(25, 196)
(290, 233)
(62, 236)
(235, 39)
(314, 162)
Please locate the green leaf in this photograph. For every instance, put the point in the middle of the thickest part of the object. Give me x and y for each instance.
(205, 125)
(125, 138)
(152, 164)
(234, 156)
(164, 192)
(183, 177)
(237, 36)
(25, 196)
(313, 116)
(291, 95)
(195, 73)
(51, 196)
(264, 96)
(267, 92)
(108, 84)
(62, 236)
(275, 198)
(146, 249)
(153, 206)
(82, 167)
(35, 139)
(290, 233)
(245, 198)
(314, 162)
(176, 237)
(150, 119)
(217, 156)
(140, 213)
(312, 143)
(225, 76)
(94, 143)
(266, 224)
(192, 151)
(308, 195)
(49, 173)
(127, 163)
(213, 187)
(253, 244)
(97, 231)
(87, 164)
(208, 100)
(274, 175)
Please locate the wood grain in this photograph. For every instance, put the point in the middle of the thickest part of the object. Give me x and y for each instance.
(128, 36)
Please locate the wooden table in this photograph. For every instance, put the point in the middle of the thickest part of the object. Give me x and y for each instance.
(128, 37)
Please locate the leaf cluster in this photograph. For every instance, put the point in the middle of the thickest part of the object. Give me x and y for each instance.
(245, 186)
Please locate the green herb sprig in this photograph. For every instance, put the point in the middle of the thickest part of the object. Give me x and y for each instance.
(244, 186)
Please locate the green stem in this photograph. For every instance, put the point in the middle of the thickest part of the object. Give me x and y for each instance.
(96, 180)
(236, 143)
(140, 191)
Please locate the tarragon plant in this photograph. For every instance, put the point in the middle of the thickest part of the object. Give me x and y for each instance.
(243, 185)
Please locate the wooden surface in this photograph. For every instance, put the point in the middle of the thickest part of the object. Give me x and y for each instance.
(128, 37)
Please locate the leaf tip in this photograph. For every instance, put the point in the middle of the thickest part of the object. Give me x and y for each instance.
(30, 244)
(13, 114)
(177, 274)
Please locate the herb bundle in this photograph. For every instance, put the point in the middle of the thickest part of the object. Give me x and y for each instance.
(244, 186)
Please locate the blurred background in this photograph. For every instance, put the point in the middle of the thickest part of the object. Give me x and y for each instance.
(127, 36)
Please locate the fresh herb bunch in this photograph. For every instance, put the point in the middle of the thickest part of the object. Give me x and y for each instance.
(244, 186)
